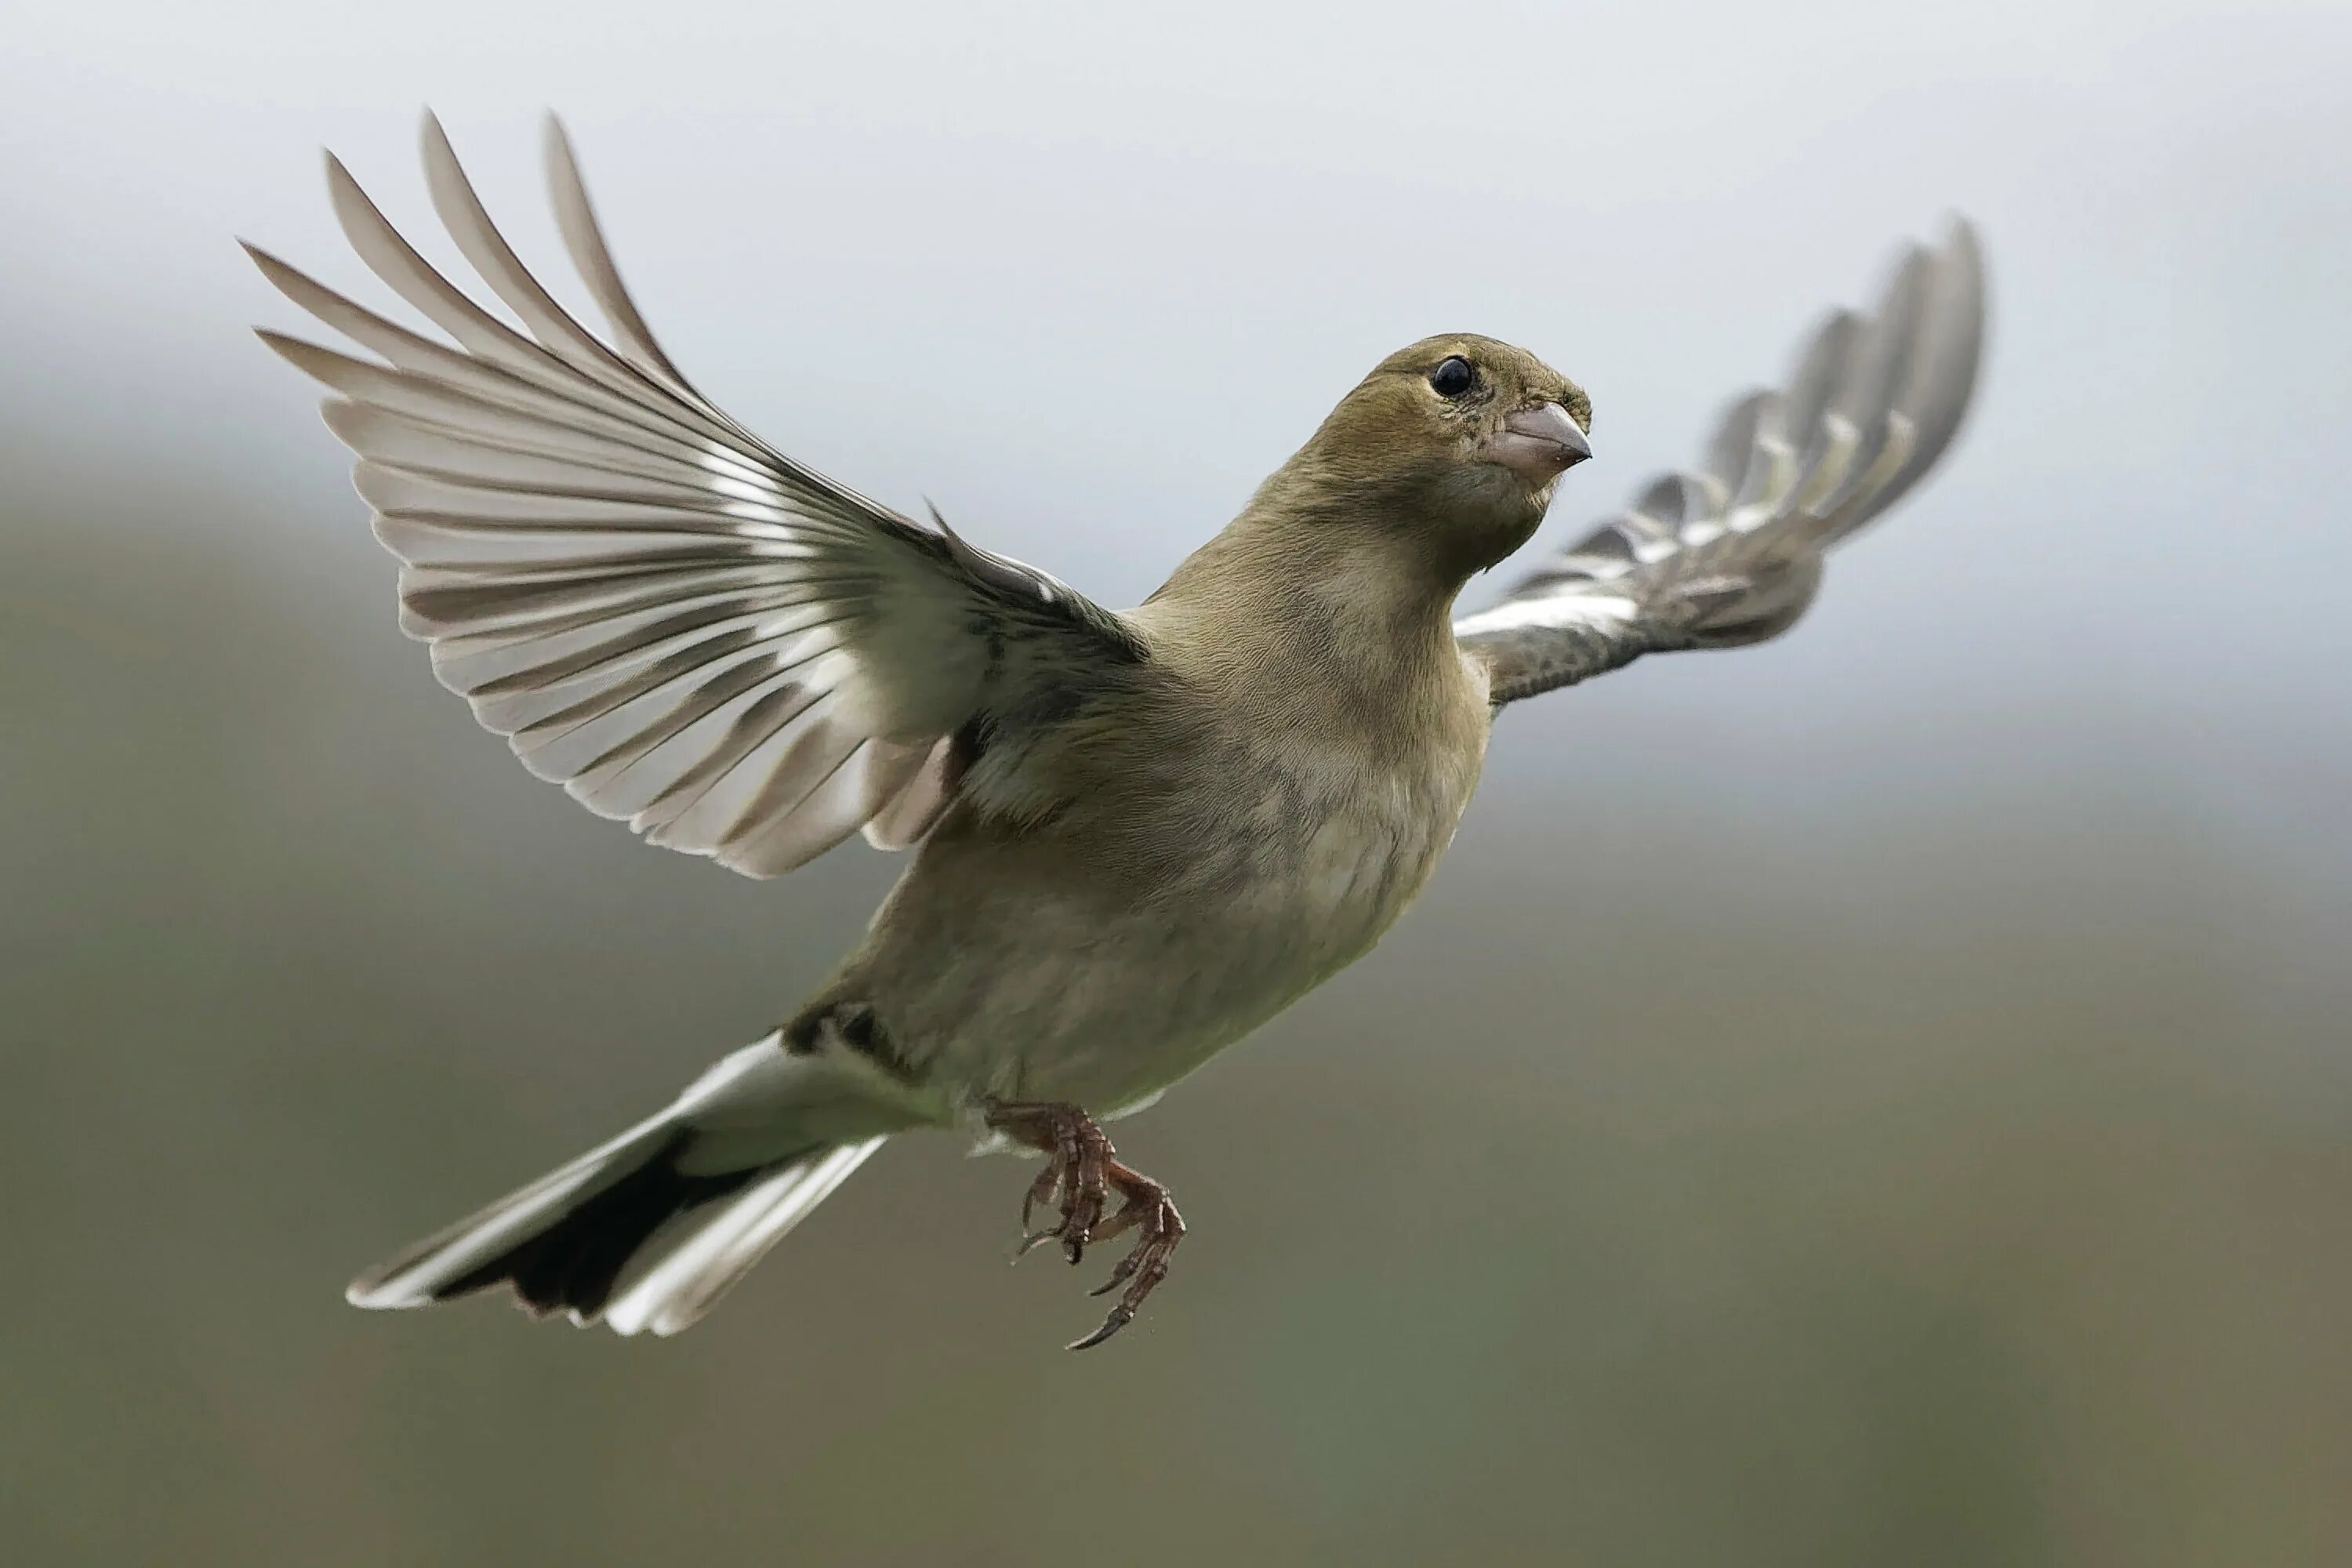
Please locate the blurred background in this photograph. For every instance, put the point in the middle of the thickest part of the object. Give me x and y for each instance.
(1883, 1098)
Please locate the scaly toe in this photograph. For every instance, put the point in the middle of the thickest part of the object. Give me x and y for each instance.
(1118, 1276)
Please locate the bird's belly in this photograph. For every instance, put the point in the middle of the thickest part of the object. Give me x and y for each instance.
(1103, 993)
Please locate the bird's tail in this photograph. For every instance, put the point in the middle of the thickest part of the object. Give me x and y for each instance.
(648, 1230)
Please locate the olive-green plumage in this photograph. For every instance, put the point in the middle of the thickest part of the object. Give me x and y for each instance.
(1137, 836)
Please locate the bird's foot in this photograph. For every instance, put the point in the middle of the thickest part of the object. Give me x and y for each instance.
(1077, 1157)
(1081, 1168)
(1150, 1207)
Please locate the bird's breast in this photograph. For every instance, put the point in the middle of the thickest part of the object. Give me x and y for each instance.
(1346, 840)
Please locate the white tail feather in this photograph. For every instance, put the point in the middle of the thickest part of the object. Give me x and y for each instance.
(647, 1231)
(668, 1286)
(414, 1277)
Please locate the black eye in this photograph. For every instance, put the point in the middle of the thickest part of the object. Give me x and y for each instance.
(1453, 376)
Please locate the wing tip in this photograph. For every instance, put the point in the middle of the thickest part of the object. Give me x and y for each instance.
(287, 347)
(1963, 257)
(273, 269)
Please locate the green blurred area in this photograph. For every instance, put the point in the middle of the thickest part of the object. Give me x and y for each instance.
(1958, 1182)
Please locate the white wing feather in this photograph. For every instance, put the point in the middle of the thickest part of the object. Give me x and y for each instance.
(685, 628)
(1731, 553)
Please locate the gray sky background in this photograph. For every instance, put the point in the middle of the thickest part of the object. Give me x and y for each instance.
(1082, 277)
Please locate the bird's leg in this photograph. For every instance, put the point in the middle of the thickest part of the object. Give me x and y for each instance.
(1077, 1156)
(1080, 1166)
(1147, 1206)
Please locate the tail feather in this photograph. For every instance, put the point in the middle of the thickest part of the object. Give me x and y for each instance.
(641, 1232)
(671, 1285)
(572, 1265)
(424, 1272)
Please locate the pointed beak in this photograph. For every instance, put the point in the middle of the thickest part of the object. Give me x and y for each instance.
(1538, 443)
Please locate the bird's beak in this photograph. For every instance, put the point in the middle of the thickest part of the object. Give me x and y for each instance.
(1538, 443)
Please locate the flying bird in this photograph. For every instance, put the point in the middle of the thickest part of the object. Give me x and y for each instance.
(1134, 835)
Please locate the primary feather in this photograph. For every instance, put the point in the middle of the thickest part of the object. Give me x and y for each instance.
(682, 625)
(1731, 552)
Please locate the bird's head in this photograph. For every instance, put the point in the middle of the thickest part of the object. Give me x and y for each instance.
(1458, 439)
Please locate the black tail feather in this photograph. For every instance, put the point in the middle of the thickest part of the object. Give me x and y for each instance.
(573, 1264)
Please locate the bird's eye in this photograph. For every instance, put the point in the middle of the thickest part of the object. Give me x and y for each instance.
(1453, 376)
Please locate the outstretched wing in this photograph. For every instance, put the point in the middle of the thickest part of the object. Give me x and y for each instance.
(685, 628)
(1731, 553)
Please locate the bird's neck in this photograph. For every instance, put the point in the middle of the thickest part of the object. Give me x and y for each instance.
(1322, 594)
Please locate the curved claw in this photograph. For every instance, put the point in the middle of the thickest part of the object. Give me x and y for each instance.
(1041, 1189)
(1120, 1316)
(1118, 1276)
